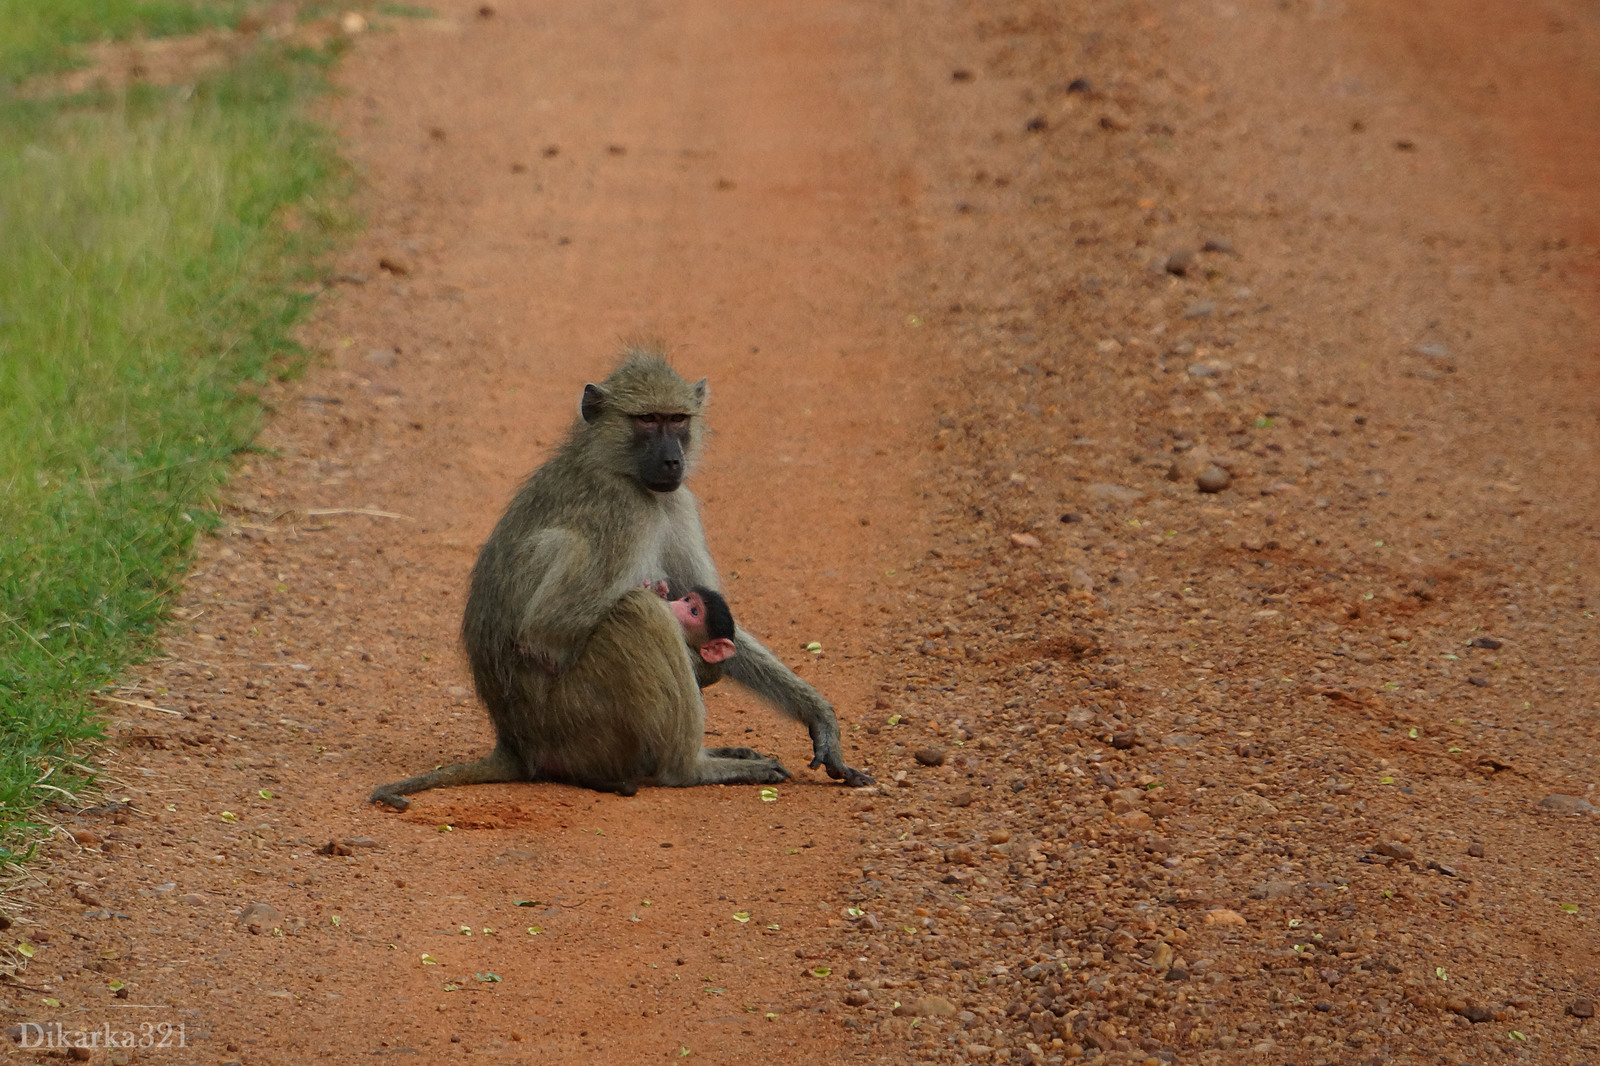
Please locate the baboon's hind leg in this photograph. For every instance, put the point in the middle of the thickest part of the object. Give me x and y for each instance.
(713, 769)
(734, 753)
(497, 766)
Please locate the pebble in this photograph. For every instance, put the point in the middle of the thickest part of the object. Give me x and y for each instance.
(1025, 540)
(1180, 740)
(1199, 309)
(1000, 836)
(858, 997)
(1180, 262)
(395, 264)
(260, 917)
(193, 899)
(1566, 804)
(1581, 1008)
(1224, 916)
(962, 799)
(1115, 493)
(1273, 890)
(930, 756)
(961, 855)
(382, 357)
(1475, 850)
(1213, 479)
(1220, 245)
(1163, 955)
(934, 1007)
(1395, 851)
(1487, 643)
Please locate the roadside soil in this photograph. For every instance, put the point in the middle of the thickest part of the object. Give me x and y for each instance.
(1296, 771)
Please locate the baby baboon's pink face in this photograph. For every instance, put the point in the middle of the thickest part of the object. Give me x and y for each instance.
(691, 614)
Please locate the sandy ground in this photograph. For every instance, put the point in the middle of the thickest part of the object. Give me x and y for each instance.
(1296, 771)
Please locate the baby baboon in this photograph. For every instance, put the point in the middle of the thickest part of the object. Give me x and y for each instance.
(556, 599)
(708, 627)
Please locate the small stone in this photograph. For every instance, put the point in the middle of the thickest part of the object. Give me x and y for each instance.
(260, 917)
(193, 899)
(1124, 741)
(1135, 820)
(1177, 973)
(1199, 309)
(1180, 262)
(1079, 85)
(1581, 1008)
(87, 838)
(1478, 680)
(1219, 245)
(1566, 804)
(1475, 850)
(858, 997)
(1180, 740)
(395, 264)
(382, 357)
(1213, 479)
(1395, 851)
(1224, 916)
(1119, 494)
(962, 799)
(1273, 890)
(1487, 643)
(84, 893)
(1476, 1013)
(934, 1007)
(930, 756)
(961, 855)
(1000, 836)
(1162, 956)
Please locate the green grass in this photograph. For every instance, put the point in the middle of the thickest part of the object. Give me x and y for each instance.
(39, 36)
(147, 277)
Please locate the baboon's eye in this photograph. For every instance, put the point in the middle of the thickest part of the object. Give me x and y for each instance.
(677, 420)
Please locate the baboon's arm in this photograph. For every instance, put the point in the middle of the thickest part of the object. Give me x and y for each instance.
(565, 598)
(756, 668)
(688, 563)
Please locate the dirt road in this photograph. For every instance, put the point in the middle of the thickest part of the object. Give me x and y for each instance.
(1165, 775)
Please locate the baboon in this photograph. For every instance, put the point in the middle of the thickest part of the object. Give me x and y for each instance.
(629, 712)
(556, 597)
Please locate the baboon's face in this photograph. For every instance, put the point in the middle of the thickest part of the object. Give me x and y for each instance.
(659, 441)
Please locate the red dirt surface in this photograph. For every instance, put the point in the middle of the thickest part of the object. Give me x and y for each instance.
(1165, 776)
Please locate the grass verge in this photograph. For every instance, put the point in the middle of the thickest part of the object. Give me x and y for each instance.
(155, 253)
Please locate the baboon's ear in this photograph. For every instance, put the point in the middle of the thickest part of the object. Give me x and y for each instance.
(594, 401)
(719, 650)
(701, 391)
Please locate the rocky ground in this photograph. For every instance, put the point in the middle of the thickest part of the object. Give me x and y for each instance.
(1185, 419)
(1247, 698)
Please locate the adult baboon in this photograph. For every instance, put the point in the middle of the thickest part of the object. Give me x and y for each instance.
(603, 516)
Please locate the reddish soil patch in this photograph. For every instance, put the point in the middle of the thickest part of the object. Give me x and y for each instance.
(1176, 777)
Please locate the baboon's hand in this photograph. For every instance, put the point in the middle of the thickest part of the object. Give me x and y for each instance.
(547, 659)
(825, 749)
(380, 795)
